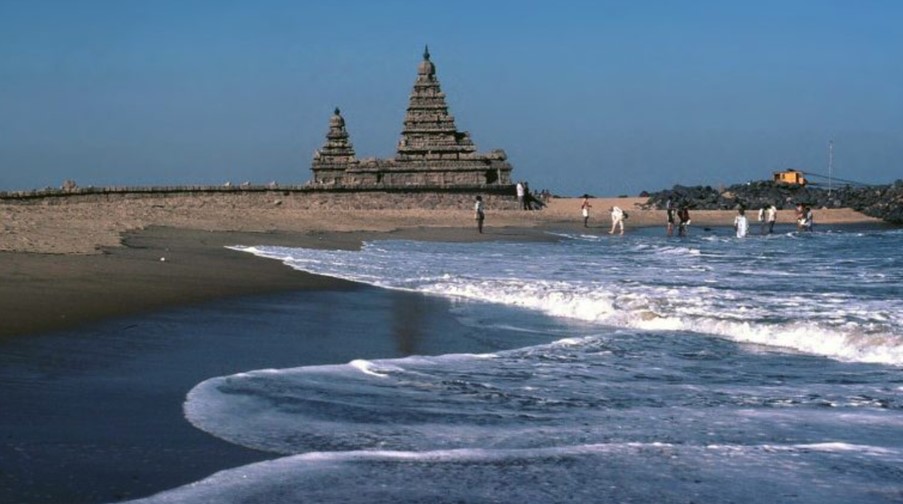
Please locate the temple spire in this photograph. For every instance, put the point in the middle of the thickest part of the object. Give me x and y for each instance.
(336, 155)
(429, 129)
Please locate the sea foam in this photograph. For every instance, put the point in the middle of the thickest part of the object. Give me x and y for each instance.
(834, 305)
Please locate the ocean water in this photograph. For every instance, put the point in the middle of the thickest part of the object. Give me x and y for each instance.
(652, 369)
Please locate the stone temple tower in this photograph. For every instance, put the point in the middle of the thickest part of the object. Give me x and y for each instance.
(429, 132)
(337, 155)
(431, 151)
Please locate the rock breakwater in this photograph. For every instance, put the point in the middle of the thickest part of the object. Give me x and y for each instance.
(883, 201)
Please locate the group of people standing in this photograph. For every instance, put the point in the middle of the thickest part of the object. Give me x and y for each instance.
(678, 216)
(528, 200)
(768, 215)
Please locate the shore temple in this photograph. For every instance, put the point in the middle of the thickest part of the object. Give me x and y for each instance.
(431, 151)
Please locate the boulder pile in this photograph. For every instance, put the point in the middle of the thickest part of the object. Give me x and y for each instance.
(884, 201)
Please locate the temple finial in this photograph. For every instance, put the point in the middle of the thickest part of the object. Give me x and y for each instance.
(337, 111)
(426, 52)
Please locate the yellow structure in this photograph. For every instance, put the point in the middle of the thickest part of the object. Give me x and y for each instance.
(791, 177)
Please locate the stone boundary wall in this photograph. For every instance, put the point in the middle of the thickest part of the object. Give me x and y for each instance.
(299, 197)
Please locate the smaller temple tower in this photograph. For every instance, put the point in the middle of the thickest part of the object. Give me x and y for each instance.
(336, 156)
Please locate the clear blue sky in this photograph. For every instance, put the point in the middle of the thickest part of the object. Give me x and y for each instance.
(601, 96)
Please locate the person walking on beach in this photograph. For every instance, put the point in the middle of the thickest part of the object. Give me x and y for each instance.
(771, 215)
(521, 192)
(683, 216)
(585, 209)
(669, 211)
(617, 219)
(478, 214)
(761, 220)
(741, 224)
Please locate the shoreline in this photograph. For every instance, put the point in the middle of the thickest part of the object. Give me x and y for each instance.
(51, 292)
(80, 226)
(93, 387)
(69, 264)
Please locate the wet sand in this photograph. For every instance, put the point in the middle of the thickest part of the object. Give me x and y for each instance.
(94, 415)
(164, 267)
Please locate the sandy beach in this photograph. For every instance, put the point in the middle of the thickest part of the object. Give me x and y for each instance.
(66, 261)
(96, 296)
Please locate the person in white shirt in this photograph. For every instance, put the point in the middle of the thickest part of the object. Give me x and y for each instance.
(741, 224)
(521, 192)
(617, 219)
(771, 215)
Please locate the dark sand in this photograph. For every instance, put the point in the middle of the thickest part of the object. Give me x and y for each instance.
(99, 351)
(42, 292)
